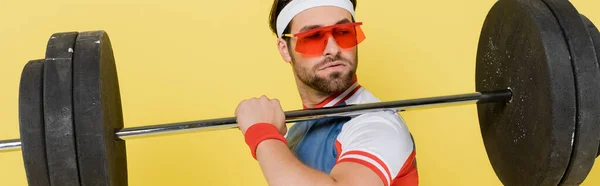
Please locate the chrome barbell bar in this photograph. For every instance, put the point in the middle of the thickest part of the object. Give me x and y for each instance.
(304, 115)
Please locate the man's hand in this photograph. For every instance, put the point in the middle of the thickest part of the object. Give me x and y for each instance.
(260, 110)
(278, 163)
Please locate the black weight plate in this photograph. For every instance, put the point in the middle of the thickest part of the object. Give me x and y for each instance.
(58, 110)
(98, 114)
(31, 124)
(587, 78)
(595, 35)
(522, 48)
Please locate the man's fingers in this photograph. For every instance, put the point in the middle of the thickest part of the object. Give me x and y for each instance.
(275, 102)
(263, 97)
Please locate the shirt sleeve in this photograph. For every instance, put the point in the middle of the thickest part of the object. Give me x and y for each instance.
(380, 141)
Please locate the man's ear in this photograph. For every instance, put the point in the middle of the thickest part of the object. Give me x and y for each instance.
(283, 50)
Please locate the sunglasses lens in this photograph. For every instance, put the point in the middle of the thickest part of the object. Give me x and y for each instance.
(314, 42)
(349, 36)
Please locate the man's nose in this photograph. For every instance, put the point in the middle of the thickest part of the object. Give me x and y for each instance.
(332, 48)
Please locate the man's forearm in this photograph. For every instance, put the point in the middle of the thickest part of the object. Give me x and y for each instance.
(281, 167)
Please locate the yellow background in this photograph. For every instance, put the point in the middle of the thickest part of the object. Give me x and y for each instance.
(184, 60)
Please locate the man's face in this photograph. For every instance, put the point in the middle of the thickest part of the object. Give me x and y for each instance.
(332, 70)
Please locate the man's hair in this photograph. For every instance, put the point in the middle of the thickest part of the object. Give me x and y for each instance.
(278, 5)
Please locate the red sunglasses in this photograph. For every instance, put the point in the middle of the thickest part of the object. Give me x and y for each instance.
(314, 41)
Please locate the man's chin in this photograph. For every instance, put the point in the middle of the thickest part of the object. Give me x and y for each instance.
(339, 80)
(334, 78)
(333, 74)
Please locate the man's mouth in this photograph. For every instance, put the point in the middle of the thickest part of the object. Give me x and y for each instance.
(336, 65)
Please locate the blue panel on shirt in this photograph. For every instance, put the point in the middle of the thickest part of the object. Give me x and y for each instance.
(313, 142)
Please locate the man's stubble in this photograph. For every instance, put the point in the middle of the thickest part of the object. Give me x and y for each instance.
(334, 83)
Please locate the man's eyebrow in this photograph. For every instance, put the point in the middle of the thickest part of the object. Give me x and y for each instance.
(310, 27)
(346, 20)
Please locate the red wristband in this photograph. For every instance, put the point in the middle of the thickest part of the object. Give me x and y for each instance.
(258, 133)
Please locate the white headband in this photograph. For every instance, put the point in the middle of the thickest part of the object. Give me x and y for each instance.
(297, 6)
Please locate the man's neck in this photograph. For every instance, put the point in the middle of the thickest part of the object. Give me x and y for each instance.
(310, 97)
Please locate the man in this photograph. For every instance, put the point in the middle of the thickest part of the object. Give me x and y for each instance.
(319, 39)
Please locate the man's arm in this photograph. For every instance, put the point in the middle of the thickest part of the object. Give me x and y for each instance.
(281, 167)
(371, 150)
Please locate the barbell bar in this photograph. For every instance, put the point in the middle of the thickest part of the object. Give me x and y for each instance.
(536, 80)
(303, 115)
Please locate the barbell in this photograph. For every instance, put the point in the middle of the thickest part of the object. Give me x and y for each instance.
(537, 86)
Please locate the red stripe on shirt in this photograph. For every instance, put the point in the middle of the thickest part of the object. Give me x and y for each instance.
(408, 175)
(368, 165)
(374, 158)
(338, 149)
(349, 95)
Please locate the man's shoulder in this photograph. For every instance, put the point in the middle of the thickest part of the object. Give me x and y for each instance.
(362, 96)
(387, 117)
(384, 116)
